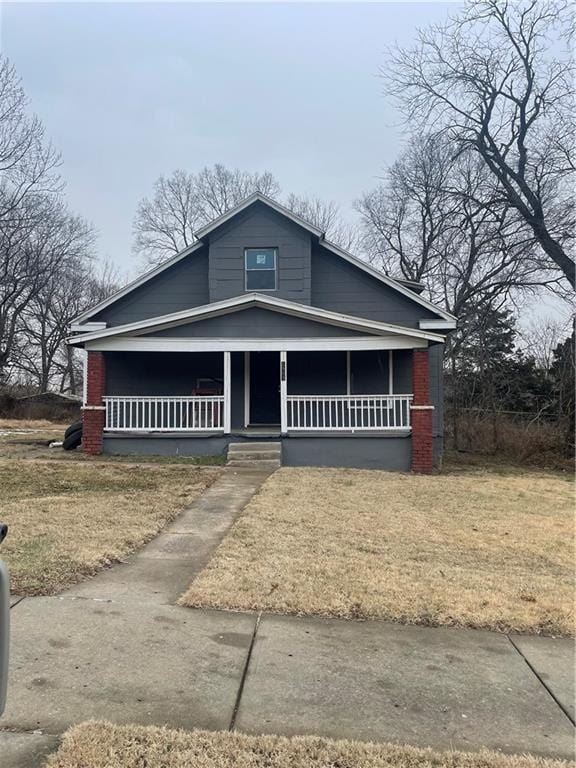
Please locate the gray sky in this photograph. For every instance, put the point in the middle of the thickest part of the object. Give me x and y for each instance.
(128, 91)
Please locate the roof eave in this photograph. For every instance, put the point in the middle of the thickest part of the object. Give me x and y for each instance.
(206, 311)
(91, 311)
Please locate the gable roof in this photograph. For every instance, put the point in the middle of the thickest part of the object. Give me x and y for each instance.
(449, 321)
(249, 300)
(258, 197)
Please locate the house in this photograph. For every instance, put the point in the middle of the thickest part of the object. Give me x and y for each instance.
(264, 330)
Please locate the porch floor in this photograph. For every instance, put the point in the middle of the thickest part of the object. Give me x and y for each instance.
(258, 430)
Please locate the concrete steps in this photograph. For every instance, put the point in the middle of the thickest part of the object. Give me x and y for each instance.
(253, 454)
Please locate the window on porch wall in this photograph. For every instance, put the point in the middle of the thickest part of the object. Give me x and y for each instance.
(326, 373)
(165, 391)
(335, 379)
(163, 374)
(370, 372)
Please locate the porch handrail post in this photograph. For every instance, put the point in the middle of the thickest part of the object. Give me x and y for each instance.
(227, 395)
(283, 392)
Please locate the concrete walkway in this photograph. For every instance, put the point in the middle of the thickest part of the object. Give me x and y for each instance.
(161, 571)
(117, 648)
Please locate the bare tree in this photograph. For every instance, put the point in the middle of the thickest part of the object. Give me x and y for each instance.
(541, 336)
(405, 219)
(29, 188)
(219, 189)
(184, 202)
(434, 219)
(489, 80)
(327, 217)
(27, 162)
(103, 280)
(55, 261)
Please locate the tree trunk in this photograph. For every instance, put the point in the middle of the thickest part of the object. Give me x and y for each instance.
(554, 250)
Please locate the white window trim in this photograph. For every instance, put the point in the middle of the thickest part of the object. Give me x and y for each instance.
(275, 270)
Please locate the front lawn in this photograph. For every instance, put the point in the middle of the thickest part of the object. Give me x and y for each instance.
(102, 745)
(470, 548)
(67, 519)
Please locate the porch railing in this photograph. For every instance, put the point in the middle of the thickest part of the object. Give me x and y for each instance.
(348, 412)
(164, 414)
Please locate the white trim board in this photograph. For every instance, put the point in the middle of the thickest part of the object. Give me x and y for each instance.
(254, 300)
(437, 325)
(142, 344)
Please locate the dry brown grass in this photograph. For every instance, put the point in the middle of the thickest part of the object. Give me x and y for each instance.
(102, 745)
(33, 424)
(475, 549)
(68, 519)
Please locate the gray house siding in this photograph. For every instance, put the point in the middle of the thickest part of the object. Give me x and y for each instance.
(179, 287)
(340, 286)
(255, 323)
(436, 362)
(260, 227)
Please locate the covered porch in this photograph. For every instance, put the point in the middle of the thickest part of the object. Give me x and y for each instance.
(268, 367)
(274, 392)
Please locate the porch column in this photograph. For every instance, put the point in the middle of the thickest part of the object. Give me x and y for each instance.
(283, 393)
(421, 413)
(227, 395)
(93, 409)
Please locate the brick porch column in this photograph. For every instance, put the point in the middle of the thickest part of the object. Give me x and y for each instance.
(94, 410)
(421, 413)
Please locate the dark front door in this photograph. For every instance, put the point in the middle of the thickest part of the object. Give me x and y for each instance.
(265, 388)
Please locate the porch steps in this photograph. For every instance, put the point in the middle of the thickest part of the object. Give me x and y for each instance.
(252, 454)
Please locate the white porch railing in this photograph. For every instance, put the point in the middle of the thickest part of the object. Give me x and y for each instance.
(348, 412)
(164, 414)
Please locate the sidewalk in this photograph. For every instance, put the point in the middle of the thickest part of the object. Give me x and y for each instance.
(116, 648)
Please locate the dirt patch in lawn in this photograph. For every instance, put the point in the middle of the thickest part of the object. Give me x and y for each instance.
(68, 519)
(102, 745)
(479, 549)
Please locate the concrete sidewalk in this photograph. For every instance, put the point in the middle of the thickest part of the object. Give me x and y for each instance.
(116, 648)
(161, 571)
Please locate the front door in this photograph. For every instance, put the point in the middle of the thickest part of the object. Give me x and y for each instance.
(265, 388)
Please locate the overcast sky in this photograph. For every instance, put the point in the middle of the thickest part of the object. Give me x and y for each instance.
(128, 91)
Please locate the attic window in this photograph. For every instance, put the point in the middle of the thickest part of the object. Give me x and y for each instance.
(260, 269)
